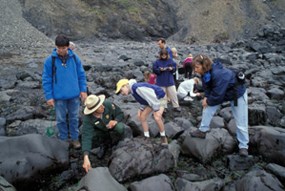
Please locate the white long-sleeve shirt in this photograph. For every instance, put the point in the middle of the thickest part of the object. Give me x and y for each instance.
(186, 87)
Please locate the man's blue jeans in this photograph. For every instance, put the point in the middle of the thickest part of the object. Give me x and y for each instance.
(70, 106)
(240, 113)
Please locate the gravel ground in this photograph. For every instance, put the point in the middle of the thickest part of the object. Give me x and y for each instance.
(15, 32)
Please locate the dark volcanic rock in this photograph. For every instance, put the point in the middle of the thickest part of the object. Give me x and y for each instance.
(26, 157)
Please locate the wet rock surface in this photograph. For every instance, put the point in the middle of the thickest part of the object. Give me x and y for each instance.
(215, 165)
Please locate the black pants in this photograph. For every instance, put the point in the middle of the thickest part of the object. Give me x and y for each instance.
(188, 70)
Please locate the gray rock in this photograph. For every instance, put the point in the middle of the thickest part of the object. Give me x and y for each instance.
(276, 93)
(99, 179)
(259, 180)
(268, 142)
(273, 115)
(209, 185)
(256, 114)
(217, 141)
(217, 122)
(226, 113)
(277, 170)
(154, 183)
(23, 158)
(2, 126)
(135, 157)
(31, 126)
(24, 113)
(236, 162)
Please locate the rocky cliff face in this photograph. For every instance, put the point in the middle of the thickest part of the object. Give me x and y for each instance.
(182, 20)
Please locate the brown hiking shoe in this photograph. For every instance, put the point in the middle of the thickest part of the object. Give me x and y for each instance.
(163, 140)
(76, 144)
(243, 152)
(198, 134)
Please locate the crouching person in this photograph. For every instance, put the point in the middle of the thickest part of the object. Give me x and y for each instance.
(220, 84)
(101, 125)
(151, 98)
(186, 88)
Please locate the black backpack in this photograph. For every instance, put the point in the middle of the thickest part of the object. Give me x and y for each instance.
(240, 81)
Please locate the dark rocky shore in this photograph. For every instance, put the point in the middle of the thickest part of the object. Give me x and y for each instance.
(30, 160)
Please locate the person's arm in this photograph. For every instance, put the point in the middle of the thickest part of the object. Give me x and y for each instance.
(148, 94)
(47, 79)
(156, 68)
(86, 163)
(87, 135)
(191, 89)
(116, 113)
(218, 90)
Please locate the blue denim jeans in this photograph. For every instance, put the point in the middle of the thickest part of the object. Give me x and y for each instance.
(70, 106)
(240, 113)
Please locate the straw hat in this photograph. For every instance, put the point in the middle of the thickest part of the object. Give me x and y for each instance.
(92, 103)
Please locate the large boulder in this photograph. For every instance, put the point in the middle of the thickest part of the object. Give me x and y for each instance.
(259, 180)
(268, 142)
(154, 183)
(136, 157)
(217, 141)
(209, 185)
(99, 179)
(25, 158)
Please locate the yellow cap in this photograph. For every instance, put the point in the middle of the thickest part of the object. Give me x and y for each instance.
(120, 84)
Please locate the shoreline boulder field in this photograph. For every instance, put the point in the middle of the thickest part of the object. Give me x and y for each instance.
(187, 163)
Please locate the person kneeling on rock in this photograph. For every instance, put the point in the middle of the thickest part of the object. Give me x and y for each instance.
(151, 97)
(102, 124)
(221, 84)
(185, 89)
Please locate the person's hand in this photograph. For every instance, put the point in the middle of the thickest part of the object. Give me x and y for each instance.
(86, 163)
(204, 102)
(83, 96)
(170, 68)
(198, 94)
(162, 69)
(111, 124)
(50, 102)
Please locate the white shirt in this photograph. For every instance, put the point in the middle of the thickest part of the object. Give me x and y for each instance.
(186, 87)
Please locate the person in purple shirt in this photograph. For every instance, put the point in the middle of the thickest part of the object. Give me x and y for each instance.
(164, 67)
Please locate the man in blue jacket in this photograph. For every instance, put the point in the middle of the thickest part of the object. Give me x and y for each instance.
(150, 98)
(64, 83)
(220, 84)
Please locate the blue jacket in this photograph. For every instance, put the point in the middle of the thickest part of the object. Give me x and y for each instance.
(164, 78)
(169, 52)
(220, 85)
(147, 94)
(70, 79)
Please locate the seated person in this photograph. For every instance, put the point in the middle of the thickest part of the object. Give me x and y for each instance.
(102, 122)
(186, 89)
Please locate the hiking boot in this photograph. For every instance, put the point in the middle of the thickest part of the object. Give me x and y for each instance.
(76, 144)
(198, 134)
(163, 140)
(243, 152)
(102, 150)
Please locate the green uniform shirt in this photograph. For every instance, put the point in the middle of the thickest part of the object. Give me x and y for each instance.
(93, 126)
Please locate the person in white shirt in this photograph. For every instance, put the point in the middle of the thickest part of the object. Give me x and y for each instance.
(186, 89)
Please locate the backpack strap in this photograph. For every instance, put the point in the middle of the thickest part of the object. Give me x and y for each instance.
(53, 74)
